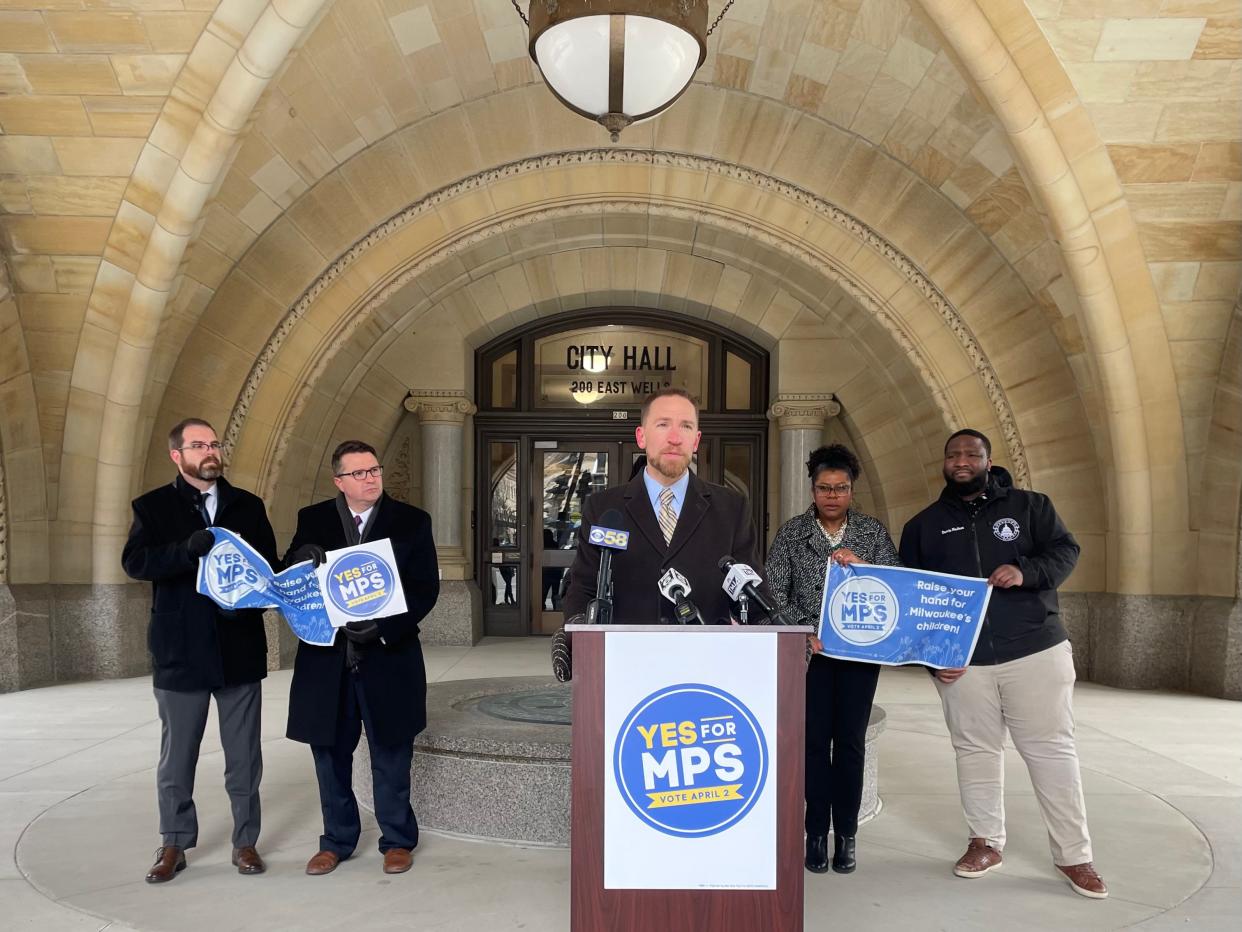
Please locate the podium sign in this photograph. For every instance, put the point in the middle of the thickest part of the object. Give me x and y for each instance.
(687, 778)
(690, 761)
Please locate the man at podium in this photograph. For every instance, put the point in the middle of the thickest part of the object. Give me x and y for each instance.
(679, 528)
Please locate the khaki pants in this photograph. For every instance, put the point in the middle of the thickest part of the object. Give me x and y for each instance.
(1032, 697)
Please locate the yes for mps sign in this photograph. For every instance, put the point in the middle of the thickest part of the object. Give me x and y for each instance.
(690, 729)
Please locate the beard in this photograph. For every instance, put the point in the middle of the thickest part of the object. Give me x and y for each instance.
(208, 470)
(670, 468)
(964, 487)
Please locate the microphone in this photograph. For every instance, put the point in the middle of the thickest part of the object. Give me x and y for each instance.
(608, 536)
(676, 588)
(741, 580)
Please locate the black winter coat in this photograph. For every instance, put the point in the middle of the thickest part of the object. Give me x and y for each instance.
(194, 645)
(1004, 525)
(714, 522)
(394, 680)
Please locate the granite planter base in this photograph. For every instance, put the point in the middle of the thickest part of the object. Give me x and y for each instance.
(494, 762)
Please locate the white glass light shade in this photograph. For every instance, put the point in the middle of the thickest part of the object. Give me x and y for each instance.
(660, 60)
(573, 57)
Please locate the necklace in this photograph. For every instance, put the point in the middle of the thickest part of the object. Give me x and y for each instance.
(834, 540)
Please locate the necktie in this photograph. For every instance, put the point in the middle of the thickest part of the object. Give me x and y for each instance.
(203, 509)
(667, 517)
(358, 525)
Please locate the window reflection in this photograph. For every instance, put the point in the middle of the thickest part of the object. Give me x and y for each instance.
(503, 498)
(568, 478)
(738, 469)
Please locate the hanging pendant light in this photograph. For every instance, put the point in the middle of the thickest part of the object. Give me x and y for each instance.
(618, 62)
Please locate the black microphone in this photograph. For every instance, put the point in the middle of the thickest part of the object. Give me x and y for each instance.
(676, 588)
(741, 579)
(607, 536)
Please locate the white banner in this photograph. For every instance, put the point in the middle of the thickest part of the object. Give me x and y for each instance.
(690, 761)
(361, 582)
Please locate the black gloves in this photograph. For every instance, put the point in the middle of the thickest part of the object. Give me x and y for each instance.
(199, 543)
(312, 552)
(362, 632)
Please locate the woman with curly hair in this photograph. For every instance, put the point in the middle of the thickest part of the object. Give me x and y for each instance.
(838, 692)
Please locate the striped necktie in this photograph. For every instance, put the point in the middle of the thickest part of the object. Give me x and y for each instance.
(667, 517)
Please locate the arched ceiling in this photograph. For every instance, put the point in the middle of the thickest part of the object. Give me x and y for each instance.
(1085, 152)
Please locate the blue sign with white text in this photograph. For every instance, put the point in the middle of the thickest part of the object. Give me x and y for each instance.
(892, 615)
(690, 760)
(235, 575)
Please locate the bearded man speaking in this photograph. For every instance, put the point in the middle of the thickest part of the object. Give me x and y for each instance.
(675, 521)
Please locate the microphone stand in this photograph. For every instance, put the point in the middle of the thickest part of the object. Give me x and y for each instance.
(599, 609)
(743, 608)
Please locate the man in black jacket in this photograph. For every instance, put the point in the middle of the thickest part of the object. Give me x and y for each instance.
(199, 651)
(373, 673)
(1021, 676)
(675, 520)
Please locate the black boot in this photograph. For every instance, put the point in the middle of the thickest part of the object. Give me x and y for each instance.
(817, 853)
(843, 861)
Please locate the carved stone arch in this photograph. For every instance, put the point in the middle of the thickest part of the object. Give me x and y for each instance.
(751, 227)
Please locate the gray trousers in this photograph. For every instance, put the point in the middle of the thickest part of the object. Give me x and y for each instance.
(183, 719)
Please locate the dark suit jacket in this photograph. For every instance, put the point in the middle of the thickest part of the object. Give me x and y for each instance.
(714, 522)
(193, 645)
(394, 680)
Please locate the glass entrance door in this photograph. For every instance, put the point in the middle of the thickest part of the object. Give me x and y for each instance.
(564, 474)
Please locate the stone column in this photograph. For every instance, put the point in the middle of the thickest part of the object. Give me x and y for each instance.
(801, 420)
(457, 617)
(441, 418)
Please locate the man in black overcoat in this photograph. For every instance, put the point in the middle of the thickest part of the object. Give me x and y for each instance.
(198, 650)
(373, 673)
(675, 519)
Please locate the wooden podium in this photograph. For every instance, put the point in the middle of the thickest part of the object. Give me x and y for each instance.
(594, 907)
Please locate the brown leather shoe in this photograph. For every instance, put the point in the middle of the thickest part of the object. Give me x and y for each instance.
(169, 861)
(247, 860)
(322, 863)
(397, 861)
(980, 857)
(1084, 880)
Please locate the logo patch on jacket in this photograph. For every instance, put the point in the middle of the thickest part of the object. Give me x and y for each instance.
(1006, 529)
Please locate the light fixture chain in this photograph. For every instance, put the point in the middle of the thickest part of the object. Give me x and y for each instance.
(716, 23)
(519, 12)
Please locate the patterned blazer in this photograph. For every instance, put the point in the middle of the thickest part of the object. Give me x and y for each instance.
(799, 556)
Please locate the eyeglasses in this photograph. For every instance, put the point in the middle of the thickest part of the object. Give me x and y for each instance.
(199, 447)
(833, 489)
(359, 474)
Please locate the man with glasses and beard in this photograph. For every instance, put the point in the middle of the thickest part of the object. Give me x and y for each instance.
(1021, 676)
(675, 520)
(373, 672)
(198, 650)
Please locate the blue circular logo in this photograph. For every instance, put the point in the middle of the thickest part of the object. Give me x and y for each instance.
(230, 575)
(863, 610)
(690, 760)
(360, 584)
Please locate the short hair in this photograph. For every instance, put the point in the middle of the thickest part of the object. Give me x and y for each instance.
(970, 432)
(672, 391)
(176, 436)
(347, 447)
(835, 456)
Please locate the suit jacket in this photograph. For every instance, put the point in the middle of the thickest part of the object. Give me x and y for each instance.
(394, 680)
(193, 644)
(714, 522)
